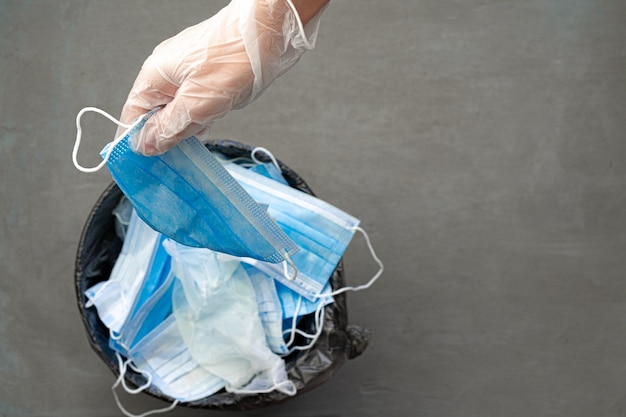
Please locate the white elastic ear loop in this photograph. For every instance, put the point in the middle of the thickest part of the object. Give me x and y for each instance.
(114, 335)
(319, 316)
(266, 152)
(294, 323)
(289, 262)
(319, 325)
(294, 330)
(118, 338)
(122, 366)
(79, 133)
(371, 281)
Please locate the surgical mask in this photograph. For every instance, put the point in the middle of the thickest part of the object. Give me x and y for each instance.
(114, 298)
(157, 350)
(291, 303)
(153, 305)
(153, 345)
(187, 195)
(300, 211)
(321, 230)
(163, 356)
(215, 308)
(294, 305)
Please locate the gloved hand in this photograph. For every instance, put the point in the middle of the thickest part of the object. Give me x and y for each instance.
(220, 64)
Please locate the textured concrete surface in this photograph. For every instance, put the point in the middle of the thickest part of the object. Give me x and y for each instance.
(481, 142)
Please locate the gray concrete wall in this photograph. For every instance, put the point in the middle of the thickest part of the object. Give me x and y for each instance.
(481, 142)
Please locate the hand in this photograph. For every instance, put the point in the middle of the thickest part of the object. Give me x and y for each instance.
(218, 65)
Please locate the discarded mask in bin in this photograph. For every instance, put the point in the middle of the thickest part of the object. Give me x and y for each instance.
(98, 251)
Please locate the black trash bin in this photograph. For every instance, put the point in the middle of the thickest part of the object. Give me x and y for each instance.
(99, 248)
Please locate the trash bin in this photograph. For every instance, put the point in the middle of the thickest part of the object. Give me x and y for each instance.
(98, 249)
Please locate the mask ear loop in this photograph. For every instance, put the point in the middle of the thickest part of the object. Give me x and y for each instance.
(289, 262)
(266, 152)
(294, 323)
(79, 133)
(114, 335)
(121, 380)
(319, 325)
(371, 281)
(319, 316)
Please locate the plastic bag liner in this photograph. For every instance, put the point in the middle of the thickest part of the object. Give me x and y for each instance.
(99, 248)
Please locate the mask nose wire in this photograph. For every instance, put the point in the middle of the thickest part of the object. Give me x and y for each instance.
(79, 133)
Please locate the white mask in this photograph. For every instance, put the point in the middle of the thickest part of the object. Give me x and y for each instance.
(216, 312)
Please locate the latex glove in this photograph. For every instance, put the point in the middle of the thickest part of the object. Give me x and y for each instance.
(213, 67)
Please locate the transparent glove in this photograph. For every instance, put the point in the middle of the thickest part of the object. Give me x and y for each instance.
(218, 65)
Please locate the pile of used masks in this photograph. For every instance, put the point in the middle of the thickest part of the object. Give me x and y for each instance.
(233, 328)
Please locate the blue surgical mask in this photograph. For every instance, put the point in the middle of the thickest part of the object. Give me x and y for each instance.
(270, 171)
(187, 195)
(321, 230)
(153, 305)
(294, 305)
